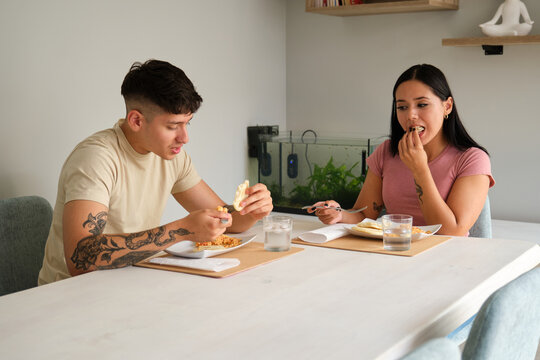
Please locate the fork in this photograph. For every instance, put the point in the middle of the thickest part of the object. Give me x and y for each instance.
(335, 208)
(230, 209)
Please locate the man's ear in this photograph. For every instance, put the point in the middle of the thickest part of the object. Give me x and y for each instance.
(135, 119)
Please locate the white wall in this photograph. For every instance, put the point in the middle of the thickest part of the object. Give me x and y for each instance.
(63, 62)
(341, 71)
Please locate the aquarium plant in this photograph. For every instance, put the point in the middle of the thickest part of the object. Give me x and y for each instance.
(329, 183)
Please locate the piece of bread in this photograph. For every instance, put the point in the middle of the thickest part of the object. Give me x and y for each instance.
(367, 230)
(369, 225)
(240, 195)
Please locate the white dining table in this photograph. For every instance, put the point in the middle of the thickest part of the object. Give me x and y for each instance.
(319, 303)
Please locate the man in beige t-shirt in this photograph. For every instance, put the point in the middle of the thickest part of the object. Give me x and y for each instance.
(114, 186)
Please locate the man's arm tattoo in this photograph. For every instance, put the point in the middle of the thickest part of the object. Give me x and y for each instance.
(420, 192)
(90, 248)
(127, 260)
(97, 223)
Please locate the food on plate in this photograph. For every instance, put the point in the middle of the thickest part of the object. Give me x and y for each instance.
(367, 230)
(221, 242)
(240, 195)
(417, 230)
(369, 224)
(369, 227)
(375, 228)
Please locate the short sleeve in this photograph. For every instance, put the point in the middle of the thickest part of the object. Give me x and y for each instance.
(475, 161)
(88, 174)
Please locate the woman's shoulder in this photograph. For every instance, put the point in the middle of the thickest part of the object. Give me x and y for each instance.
(384, 147)
(477, 161)
(474, 161)
(475, 154)
(470, 153)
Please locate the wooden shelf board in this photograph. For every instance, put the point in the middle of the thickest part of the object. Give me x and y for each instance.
(386, 7)
(498, 40)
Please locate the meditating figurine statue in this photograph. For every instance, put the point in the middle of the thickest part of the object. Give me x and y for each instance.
(511, 10)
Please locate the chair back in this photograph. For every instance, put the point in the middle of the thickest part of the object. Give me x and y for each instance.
(482, 226)
(508, 323)
(24, 227)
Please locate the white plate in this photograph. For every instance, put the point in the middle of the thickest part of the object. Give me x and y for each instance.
(187, 248)
(432, 228)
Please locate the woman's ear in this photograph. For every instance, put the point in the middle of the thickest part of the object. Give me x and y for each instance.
(134, 120)
(448, 105)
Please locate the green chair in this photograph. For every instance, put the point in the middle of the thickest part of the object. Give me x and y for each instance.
(24, 226)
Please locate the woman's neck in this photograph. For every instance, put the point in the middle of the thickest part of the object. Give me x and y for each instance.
(435, 147)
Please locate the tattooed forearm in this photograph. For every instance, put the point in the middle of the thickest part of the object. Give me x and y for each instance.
(90, 248)
(136, 240)
(173, 234)
(154, 236)
(127, 260)
(97, 249)
(420, 192)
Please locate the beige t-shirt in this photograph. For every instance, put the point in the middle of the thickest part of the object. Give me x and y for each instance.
(135, 188)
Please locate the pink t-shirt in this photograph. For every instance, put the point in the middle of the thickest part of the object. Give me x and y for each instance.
(398, 188)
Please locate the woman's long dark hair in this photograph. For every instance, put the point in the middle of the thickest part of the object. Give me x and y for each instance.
(453, 129)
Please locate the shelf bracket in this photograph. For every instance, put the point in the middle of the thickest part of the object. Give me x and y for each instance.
(493, 49)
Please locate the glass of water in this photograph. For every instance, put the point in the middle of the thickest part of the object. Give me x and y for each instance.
(397, 232)
(277, 232)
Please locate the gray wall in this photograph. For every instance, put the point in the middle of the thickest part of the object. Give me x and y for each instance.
(63, 62)
(341, 71)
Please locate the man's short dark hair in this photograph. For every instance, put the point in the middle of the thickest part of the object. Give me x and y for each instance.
(162, 84)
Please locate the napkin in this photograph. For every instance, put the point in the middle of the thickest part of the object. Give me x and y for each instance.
(208, 264)
(325, 234)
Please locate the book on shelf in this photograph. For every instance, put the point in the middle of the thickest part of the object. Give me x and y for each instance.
(335, 3)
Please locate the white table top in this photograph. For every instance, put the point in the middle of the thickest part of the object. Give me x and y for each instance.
(317, 304)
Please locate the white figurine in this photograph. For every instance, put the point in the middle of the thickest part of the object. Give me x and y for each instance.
(511, 10)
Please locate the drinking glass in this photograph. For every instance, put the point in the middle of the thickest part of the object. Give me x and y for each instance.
(397, 232)
(277, 232)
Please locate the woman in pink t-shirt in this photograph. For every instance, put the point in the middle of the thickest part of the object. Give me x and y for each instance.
(430, 168)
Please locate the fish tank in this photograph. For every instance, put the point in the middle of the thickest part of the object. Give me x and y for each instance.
(303, 169)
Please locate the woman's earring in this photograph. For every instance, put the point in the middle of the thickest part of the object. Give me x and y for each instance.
(446, 117)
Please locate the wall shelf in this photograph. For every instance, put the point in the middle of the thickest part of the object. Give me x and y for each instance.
(492, 45)
(383, 7)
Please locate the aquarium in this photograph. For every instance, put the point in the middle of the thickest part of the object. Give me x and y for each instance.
(301, 170)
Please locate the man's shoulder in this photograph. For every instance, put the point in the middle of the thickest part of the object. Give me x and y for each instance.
(102, 143)
(104, 138)
(100, 147)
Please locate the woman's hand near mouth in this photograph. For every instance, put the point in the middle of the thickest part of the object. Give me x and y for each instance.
(412, 153)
